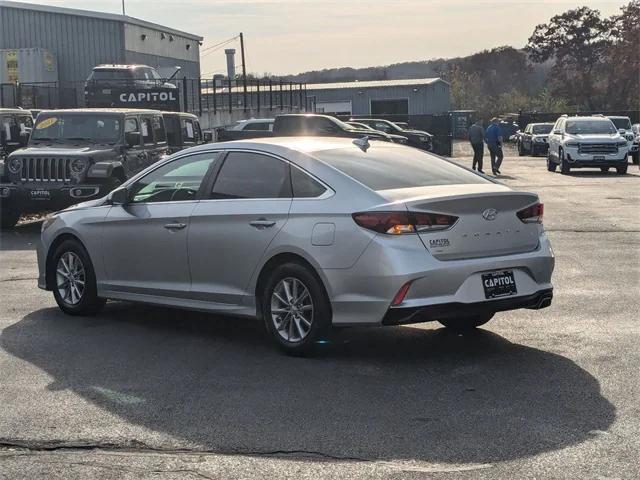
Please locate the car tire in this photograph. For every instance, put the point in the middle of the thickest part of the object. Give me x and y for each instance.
(622, 170)
(521, 151)
(604, 169)
(462, 324)
(296, 335)
(75, 298)
(565, 169)
(8, 217)
(635, 158)
(551, 166)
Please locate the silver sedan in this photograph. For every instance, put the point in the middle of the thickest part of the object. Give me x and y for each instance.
(305, 234)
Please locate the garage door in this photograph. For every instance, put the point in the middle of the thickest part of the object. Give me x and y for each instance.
(336, 108)
(390, 107)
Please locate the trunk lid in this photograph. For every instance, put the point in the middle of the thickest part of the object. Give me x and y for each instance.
(487, 223)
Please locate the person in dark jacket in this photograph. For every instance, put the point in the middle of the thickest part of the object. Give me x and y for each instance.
(493, 137)
(476, 138)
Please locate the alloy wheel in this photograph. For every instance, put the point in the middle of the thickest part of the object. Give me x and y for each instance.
(70, 278)
(292, 309)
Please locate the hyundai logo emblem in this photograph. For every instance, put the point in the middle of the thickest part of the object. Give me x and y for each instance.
(490, 214)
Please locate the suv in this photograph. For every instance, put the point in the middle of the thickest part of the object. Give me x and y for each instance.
(623, 124)
(78, 155)
(113, 85)
(534, 139)
(415, 138)
(15, 128)
(578, 142)
(183, 130)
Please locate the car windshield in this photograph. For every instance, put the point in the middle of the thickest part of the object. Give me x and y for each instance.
(99, 128)
(593, 127)
(542, 129)
(383, 168)
(622, 123)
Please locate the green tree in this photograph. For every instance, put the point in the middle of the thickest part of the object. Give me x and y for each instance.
(578, 41)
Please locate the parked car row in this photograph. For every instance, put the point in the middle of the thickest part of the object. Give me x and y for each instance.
(75, 155)
(325, 125)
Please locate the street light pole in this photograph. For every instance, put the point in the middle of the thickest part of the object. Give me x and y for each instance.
(123, 12)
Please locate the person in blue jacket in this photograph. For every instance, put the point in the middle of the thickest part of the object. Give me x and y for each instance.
(493, 138)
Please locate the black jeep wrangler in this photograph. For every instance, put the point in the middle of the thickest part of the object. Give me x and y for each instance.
(78, 155)
(183, 130)
(15, 128)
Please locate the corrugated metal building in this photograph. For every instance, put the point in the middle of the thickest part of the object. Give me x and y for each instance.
(82, 39)
(399, 97)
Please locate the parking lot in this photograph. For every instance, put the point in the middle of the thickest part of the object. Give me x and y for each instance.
(158, 393)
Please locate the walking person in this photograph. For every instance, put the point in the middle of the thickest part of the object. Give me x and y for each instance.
(493, 137)
(476, 138)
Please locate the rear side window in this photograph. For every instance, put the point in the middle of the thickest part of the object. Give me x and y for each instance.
(262, 126)
(387, 168)
(252, 175)
(158, 130)
(189, 133)
(304, 186)
(147, 131)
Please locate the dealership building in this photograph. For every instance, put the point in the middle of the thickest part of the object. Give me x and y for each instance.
(383, 97)
(77, 40)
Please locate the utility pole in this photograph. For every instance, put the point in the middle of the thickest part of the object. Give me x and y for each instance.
(123, 13)
(244, 72)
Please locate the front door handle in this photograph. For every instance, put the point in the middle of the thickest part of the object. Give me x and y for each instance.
(262, 223)
(175, 226)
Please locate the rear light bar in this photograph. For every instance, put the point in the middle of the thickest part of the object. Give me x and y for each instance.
(397, 223)
(532, 214)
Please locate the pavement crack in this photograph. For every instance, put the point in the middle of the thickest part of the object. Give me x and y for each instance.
(17, 279)
(135, 446)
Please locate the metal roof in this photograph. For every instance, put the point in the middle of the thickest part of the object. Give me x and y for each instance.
(100, 15)
(411, 82)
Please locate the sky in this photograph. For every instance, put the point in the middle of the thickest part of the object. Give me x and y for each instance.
(292, 36)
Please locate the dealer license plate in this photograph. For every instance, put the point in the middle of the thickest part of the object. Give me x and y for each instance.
(106, 91)
(598, 157)
(40, 194)
(499, 284)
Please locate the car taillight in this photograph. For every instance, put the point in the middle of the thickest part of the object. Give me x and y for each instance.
(397, 223)
(532, 214)
(399, 298)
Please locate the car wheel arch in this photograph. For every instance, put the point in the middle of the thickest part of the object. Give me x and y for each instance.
(52, 248)
(279, 259)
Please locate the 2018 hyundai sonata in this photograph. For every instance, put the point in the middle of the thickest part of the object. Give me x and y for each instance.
(305, 233)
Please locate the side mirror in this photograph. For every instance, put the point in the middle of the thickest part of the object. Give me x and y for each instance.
(132, 139)
(24, 138)
(207, 137)
(557, 132)
(622, 130)
(119, 196)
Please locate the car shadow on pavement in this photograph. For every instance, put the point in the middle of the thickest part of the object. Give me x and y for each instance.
(377, 393)
(21, 237)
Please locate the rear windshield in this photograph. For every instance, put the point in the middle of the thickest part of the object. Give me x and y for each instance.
(110, 75)
(383, 168)
(542, 129)
(593, 127)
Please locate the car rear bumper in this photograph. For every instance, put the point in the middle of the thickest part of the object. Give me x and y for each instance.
(443, 311)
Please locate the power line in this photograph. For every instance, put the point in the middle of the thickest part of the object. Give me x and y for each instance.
(215, 47)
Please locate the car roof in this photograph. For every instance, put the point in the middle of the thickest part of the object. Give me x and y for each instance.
(246, 120)
(541, 123)
(179, 114)
(78, 111)
(618, 117)
(13, 111)
(119, 67)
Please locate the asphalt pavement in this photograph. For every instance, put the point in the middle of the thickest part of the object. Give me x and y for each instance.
(146, 392)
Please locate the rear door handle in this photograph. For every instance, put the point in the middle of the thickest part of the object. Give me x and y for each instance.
(262, 223)
(175, 226)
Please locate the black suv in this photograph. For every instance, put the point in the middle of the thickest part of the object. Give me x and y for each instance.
(78, 155)
(138, 86)
(15, 128)
(416, 138)
(183, 130)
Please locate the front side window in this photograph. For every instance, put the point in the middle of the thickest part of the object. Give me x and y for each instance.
(542, 129)
(252, 175)
(131, 125)
(179, 180)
